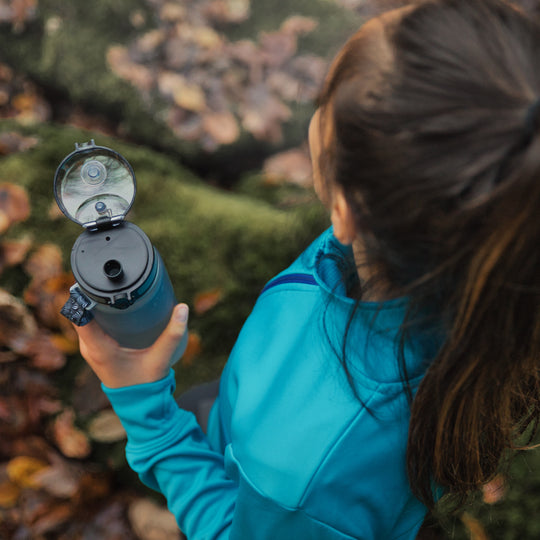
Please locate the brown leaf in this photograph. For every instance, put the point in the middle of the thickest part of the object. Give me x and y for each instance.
(221, 126)
(152, 522)
(186, 126)
(228, 11)
(71, 440)
(193, 349)
(14, 204)
(277, 47)
(17, 326)
(149, 42)
(206, 300)
(13, 252)
(93, 487)
(66, 344)
(121, 65)
(309, 71)
(21, 470)
(18, 12)
(12, 142)
(293, 166)
(474, 527)
(44, 354)
(190, 96)
(88, 397)
(9, 494)
(106, 427)
(56, 515)
(54, 212)
(171, 12)
(45, 263)
(30, 107)
(48, 296)
(495, 490)
(263, 114)
(284, 85)
(61, 479)
(299, 25)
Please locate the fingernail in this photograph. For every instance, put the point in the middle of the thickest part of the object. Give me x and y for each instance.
(182, 313)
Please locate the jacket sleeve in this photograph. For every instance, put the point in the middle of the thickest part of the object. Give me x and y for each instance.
(171, 454)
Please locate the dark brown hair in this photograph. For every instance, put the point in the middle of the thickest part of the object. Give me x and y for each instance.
(436, 145)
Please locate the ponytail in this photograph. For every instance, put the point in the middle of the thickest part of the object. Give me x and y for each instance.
(482, 392)
(437, 147)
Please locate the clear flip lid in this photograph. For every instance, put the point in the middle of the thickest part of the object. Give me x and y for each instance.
(94, 186)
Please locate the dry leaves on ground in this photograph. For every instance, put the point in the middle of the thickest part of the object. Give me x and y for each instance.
(51, 485)
(212, 86)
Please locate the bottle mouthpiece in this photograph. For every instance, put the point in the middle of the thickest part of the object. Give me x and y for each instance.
(113, 270)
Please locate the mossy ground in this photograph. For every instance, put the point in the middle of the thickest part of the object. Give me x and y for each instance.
(209, 238)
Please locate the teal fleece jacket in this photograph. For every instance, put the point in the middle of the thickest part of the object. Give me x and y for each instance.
(291, 452)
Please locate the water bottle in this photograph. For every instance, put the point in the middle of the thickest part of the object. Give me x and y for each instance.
(121, 280)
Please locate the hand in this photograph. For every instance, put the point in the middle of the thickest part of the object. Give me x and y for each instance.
(118, 366)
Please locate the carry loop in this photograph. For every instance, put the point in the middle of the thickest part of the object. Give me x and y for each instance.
(77, 308)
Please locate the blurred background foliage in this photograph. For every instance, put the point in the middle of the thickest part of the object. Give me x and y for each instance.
(209, 100)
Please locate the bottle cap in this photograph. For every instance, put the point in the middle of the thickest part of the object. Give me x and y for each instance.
(94, 186)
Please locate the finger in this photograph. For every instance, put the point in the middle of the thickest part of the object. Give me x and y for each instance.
(169, 340)
(92, 336)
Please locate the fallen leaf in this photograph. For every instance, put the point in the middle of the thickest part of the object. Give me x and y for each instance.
(93, 487)
(495, 490)
(206, 300)
(56, 515)
(221, 126)
(9, 494)
(137, 18)
(149, 42)
(152, 522)
(18, 12)
(66, 344)
(474, 527)
(13, 252)
(171, 12)
(54, 212)
(44, 354)
(21, 470)
(71, 441)
(207, 38)
(193, 349)
(228, 11)
(14, 203)
(17, 326)
(44, 263)
(61, 479)
(292, 166)
(121, 65)
(277, 47)
(12, 142)
(298, 25)
(88, 397)
(48, 296)
(263, 114)
(189, 96)
(106, 427)
(30, 107)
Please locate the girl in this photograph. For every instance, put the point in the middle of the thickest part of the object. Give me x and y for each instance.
(400, 352)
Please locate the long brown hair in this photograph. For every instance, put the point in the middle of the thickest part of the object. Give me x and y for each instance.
(436, 144)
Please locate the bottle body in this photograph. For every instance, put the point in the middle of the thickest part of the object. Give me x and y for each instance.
(140, 324)
(124, 275)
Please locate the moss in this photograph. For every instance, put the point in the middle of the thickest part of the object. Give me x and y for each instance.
(70, 61)
(207, 237)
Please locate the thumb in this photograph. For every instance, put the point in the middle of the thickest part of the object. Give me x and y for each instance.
(168, 341)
